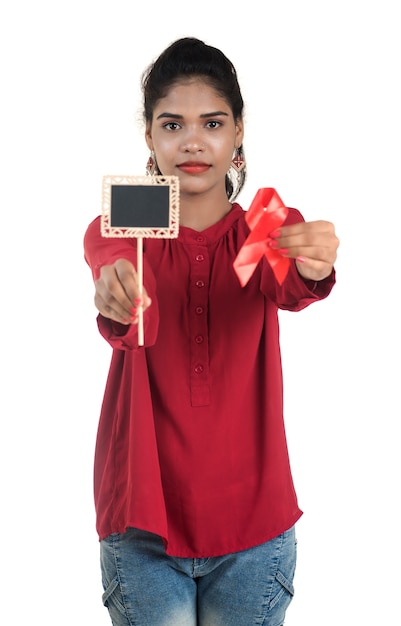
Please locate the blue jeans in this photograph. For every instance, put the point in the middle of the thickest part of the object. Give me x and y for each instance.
(145, 587)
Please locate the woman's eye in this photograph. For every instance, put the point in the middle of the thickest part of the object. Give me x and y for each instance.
(171, 126)
(213, 124)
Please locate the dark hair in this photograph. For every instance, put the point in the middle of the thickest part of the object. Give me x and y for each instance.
(186, 58)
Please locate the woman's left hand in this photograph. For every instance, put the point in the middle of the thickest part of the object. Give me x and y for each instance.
(313, 245)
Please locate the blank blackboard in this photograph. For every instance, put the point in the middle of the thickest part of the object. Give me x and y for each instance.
(139, 206)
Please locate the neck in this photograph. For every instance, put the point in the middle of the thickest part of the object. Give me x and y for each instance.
(198, 214)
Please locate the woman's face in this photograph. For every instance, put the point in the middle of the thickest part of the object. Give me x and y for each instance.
(193, 135)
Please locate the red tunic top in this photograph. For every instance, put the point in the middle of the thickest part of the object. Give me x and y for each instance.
(191, 441)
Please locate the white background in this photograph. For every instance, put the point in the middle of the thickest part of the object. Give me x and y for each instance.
(321, 84)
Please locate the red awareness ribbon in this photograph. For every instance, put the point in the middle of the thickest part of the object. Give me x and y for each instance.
(266, 213)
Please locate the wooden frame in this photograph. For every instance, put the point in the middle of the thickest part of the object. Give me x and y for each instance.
(140, 198)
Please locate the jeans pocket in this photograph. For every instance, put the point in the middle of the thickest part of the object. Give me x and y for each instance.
(283, 588)
(284, 591)
(110, 597)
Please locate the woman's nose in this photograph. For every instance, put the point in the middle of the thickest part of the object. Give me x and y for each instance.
(192, 143)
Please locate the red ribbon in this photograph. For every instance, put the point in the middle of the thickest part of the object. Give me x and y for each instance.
(266, 213)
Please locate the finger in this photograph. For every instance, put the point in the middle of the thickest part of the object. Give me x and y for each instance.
(128, 279)
(111, 294)
(322, 254)
(313, 234)
(311, 269)
(111, 309)
(315, 240)
(118, 290)
(303, 228)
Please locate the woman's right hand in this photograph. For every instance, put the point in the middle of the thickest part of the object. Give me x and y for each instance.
(117, 293)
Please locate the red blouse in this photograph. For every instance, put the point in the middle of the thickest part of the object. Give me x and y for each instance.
(191, 441)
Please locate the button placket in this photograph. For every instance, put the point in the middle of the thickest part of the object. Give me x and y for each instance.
(199, 296)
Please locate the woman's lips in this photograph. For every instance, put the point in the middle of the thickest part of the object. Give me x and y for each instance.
(193, 167)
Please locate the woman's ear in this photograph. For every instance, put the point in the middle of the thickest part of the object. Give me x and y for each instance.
(148, 137)
(239, 132)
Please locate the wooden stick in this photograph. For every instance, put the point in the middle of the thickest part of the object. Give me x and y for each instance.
(140, 287)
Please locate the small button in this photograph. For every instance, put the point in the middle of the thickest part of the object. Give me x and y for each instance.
(199, 339)
(200, 258)
(200, 283)
(198, 369)
(199, 310)
(200, 239)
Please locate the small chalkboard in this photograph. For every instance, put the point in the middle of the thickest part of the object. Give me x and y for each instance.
(140, 206)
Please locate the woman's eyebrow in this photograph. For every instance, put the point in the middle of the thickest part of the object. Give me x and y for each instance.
(214, 114)
(173, 115)
(176, 116)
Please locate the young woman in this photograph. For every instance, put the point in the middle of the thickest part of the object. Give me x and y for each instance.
(193, 489)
